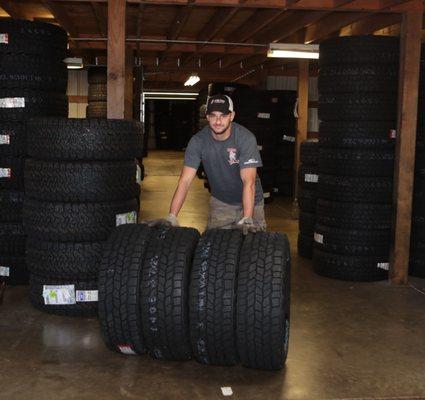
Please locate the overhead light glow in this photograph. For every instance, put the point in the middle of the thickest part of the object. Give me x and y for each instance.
(74, 63)
(192, 80)
(293, 50)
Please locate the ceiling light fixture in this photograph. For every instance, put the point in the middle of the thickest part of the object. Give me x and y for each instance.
(293, 50)
(192, 80)
(74, 63)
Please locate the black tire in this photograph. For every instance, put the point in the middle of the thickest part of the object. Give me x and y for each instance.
(97, 92)
(307, 200)
(263, 301)
(417, 265)
(351, 162)
(81, 181)
(79, 309)
(84, 139)
(309, 152)
(97, 109)
(12, 139)
(360, 50)
(358, 78)
(355, 189)
(119, 288)
(357, 134)
(74, 222)
(354, 107)
(212, 300)
(308, 177)
(11, 173)
(305, 246)
(36, 73)
(11, 203)
(307, 222)
(33, 103)
(64, 260)
(97, 75)
(164, 293)
(12, 238)
(352, 242)
(13, 270)
(349, 268)
(354, 215)
(33, 38)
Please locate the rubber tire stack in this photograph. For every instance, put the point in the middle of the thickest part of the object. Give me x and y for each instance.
(80, 184)
(33, 81)
(358, 82)
(417, 240)
(308, 178)
(222, 299)
(97, 92)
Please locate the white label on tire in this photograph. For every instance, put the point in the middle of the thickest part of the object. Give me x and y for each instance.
(4, 139)
(288, 138)
(275, 190)
(266, 195)
(83, 296)
(126, 218)
(12, 102)
(59, 295)
(393, 134)
(275, 100)
(126, 349)
(5, 172)
(384, 265)
(263, 115)
(318, 238)
(259, 147)
(313, 178)
(138, 174)
(4, 271)
(4, 38)
(227, 391)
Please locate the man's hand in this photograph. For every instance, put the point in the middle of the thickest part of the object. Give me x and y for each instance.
(247, 224)
(170, 220)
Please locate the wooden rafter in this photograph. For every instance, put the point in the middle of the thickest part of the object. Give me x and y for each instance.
(373, 23)
(100, 18)
(61, 17)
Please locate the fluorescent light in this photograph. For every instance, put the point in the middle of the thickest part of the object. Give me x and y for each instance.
(169, 98)
(172, 93)
(293, 50)
(192, 80)
(74, 63)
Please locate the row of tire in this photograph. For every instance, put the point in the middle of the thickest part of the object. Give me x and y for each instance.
(222, 298)
(97, 92)
(33, 82)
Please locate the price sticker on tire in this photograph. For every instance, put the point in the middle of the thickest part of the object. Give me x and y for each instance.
(4, 38)
(5, 173)
(4, 271)
(126, 218)
(4, 139)
(59, 295)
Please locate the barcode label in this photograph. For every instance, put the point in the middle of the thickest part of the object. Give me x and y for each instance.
(313, 178)
(4, 38)
(83, 296)
(126, 218)
(263, 115)
(4, 139)
(12, 102)
(318, 238)
(384, 265)
(59, 295)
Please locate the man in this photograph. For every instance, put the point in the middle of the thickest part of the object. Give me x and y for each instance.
(230, 157)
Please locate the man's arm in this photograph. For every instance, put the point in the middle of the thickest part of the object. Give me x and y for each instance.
(248, 176)
(186, 177)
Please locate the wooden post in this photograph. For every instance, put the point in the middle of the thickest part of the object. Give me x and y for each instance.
(410, 49)
(116, 58)
(128, 97)
(302, 122)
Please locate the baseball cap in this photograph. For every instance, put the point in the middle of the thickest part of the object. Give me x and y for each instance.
(220, 103)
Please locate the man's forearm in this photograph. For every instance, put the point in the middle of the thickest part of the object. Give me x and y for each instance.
(248, 199)
(179, 198)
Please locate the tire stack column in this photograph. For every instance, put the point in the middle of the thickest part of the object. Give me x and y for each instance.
(308, 178)
(97, 92)
(358, 82)
(80, 184)
(33, 81)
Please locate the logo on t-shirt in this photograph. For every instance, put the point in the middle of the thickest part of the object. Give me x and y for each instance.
(251, 161)
(232, 156)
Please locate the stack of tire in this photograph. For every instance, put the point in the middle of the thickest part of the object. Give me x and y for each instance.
(308, 178)
(33, 81)
(216, 298)
(417, 246)
(97, 92)
(358, 82)
(80, 184)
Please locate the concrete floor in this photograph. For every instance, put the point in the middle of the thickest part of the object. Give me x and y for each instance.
(348, 340)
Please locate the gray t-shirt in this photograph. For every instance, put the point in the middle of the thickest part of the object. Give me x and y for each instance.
(223, 160)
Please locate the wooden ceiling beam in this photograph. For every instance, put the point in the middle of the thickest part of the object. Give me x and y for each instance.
(373, 23)
(60, 16)
(100, 18)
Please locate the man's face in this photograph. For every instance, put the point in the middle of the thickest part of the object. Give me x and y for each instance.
(219, 122)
